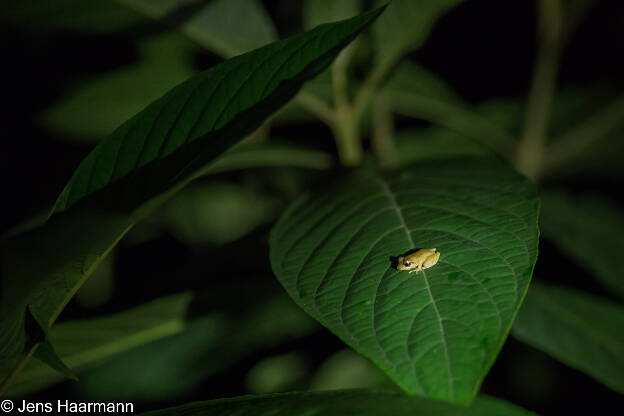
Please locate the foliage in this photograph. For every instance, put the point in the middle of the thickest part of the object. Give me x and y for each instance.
(469, 179)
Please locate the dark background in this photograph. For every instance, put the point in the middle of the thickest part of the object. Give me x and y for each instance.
(484, 49)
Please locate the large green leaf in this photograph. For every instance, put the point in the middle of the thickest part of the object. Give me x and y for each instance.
(578, 329)
(438, 332)
(590, 230)
(83, 343)
(142, 163)
(339, 403)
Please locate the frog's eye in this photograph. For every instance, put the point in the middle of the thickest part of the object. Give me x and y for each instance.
(407, 263)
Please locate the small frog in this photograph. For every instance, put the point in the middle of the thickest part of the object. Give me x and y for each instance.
(418, 260)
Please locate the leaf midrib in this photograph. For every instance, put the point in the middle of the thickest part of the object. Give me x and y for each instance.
(388, 192)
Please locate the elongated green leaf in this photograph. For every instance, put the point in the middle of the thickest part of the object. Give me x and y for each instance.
(436, 333)
(340, 403)
(590, 230)
(226, 27)
(83, 343)
(580, 330)
(143, 162)
(405, 26)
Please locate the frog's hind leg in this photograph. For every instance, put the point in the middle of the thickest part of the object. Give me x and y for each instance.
(431, 261)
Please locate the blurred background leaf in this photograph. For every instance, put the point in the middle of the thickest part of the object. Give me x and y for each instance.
(83, 344)
(100, 286)
(93, 16)
(592, 142)
(589, 230)
(249, 155)
(346, 369)
(415, 145)
(413, 91)
(316, 12)
(98, 106)
(225, 27)
(277, 373)
(209, 345)
(581, 330)
(218, 212)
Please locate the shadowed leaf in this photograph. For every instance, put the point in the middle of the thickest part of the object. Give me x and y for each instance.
(580, 330)
(339, 403)
(590, 231)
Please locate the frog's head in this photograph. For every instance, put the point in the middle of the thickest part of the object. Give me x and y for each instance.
(404, 264)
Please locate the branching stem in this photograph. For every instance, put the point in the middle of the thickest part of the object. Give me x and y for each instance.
(531, 149)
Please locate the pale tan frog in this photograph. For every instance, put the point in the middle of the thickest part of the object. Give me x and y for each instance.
(418, 260)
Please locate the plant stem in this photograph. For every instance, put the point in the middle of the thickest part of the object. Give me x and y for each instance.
(383, 133)
(346, 124)
(315, 106)
(346, 131)
(340, 79)
(372, 84)
(531, 148)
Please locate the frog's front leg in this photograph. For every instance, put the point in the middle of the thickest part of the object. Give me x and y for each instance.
(417, 269)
